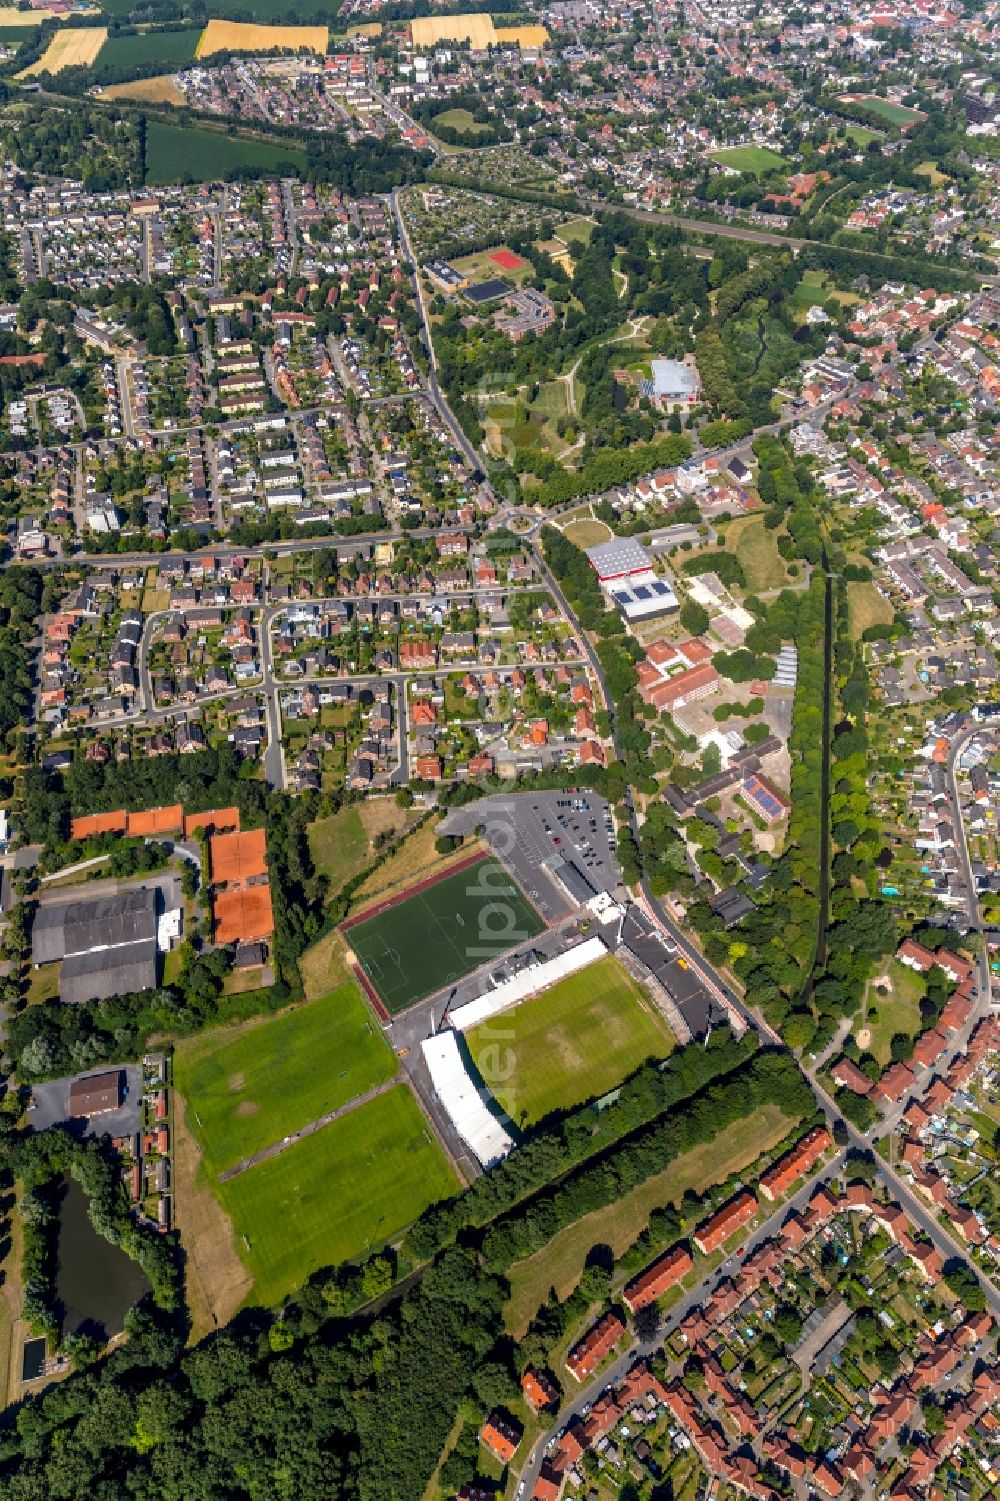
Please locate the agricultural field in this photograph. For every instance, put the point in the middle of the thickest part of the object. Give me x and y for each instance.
(884, 109)
(179, 153)
(160, 90)
(476, 29)
(572, 1043)
(336, 1194)
(171, 49)
(753, 160)
(523, 36)
(437, 935)
(243, 36)
(19, 20)
(248, 1088)
(73, 47)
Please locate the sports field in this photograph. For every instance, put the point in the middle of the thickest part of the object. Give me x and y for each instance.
(572, 1043)
(72, 47)
(885, 109)
(753, 160)
(440, 934)
(248, 1088)
(336, 1194)
(245, 36)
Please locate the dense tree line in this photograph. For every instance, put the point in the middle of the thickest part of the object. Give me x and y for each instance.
(25, 595)
(770, 1078)
(268, 1410)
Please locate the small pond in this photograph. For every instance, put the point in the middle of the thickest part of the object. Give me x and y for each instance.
(96, 1283)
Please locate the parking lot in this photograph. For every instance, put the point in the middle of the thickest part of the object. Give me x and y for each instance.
(535, 832)
(52, 1105)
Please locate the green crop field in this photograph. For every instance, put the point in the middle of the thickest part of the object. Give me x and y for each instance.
(572, 1043)
(247, 1089)
(180, 153)
(168, 49)
(752, 160)
(443, 933)
(334, 1195)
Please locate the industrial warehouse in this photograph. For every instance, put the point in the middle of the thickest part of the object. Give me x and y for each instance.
(107, 945)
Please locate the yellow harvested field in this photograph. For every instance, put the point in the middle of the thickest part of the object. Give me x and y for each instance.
(244, 36)
(477, 29)
(524, 36)
(11, 16)
(161, 90)
(73, 47)
(365, 28)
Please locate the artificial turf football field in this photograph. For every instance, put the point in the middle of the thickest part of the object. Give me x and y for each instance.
(336, 1194)
(572, 1043)
(246, 1089)
(440, 934)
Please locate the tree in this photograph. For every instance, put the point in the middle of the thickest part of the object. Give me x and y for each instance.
(694, 617)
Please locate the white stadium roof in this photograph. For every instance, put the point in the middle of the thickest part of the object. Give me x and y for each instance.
(460, 1096)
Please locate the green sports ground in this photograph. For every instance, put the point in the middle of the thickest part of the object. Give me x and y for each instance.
(569, 1044)
(437, 935)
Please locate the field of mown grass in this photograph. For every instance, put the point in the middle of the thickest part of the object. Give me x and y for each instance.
(337, 1194)
(569, 1044)
(752, 160)
(247, 1088)
(560, 1264)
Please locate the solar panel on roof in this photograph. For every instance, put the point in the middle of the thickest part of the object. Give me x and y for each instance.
(641, 592)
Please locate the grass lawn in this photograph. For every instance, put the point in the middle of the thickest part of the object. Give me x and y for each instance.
(339, 846)
(414, 860)
(480, 266)
(343, 844)
(587, 532)
(461, 120)
(753, 160)
(248, 1088)
(43, 983)
(560, 1263)
(572, 1043)
(757, 550)
(440, 934)
(865, 607)
(897, 1012)
(931, 170)
(347, 1188)
(323, 965)
(181, 153)
(861, 136)
(575, 229)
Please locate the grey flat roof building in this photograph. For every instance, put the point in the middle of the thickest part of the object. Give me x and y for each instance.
(617, 559)
(107, 944)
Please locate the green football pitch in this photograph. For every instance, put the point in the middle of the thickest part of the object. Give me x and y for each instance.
(571, 1043)
(337, 1194)
(434, 937)
(248, 1087)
